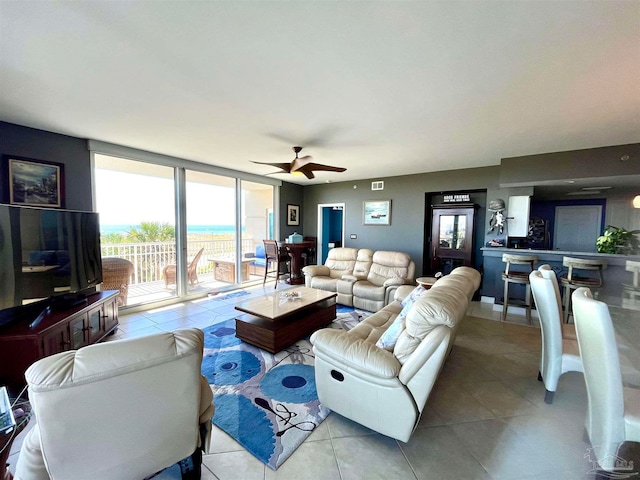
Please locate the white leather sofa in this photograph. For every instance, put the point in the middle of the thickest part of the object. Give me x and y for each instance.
(123, 409)
(387, 390)
(361, 277)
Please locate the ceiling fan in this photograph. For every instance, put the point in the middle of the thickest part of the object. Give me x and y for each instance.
(304, 165)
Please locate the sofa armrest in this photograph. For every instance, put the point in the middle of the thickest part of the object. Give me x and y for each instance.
(395, 281)
(316, 270)
(402, 292)
(354, 352)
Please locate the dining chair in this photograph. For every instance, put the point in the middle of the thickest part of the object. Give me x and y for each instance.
(559, 355)
(613, 414)
(169, 272)
(273, 256)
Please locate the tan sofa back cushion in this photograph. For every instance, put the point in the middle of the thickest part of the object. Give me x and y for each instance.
(388, 265)
(341, 261)
(363, 263)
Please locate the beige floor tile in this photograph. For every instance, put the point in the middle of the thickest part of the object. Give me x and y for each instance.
(235, 466)
(321, 432)
(371, 457)
(222, 442)
(503, 453)
(500, 399)
(488, 345)
(311, 461)
(133, 325)
(436, 453)
(429, 418)
(453, 404)
(340, 426)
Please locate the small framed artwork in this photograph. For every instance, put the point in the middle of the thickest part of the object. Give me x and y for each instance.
(35, 183)
(293, 215)
(376, 212)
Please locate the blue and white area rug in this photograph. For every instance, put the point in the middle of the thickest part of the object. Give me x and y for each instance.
(267, 402)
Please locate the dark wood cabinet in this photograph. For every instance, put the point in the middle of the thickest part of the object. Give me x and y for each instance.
(58, 331)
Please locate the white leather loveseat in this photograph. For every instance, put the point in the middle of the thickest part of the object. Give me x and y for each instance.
(362, 278)
(387, 389)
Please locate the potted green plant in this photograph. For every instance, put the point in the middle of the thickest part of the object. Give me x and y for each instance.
(618, 240)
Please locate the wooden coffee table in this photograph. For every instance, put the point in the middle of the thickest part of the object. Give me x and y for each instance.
(274, 322)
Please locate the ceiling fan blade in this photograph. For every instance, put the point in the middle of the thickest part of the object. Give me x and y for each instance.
(326, 168)
(286, 167)
(307, 173)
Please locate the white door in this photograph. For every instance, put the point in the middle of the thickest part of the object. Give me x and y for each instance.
(577, 228)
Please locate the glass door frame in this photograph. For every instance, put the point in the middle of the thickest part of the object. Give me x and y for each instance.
(180, 166)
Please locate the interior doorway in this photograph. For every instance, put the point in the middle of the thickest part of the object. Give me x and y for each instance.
(331, 218)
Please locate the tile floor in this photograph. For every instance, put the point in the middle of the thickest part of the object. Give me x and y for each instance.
(485, 418)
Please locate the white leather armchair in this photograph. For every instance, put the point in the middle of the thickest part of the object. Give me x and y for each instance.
(387, 390)
(118, 410)
(387, 272)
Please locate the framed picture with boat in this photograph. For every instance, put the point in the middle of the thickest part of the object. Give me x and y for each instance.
(376, 212)
(35, 183)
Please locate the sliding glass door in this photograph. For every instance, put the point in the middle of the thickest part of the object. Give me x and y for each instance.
(148, 210)
(136, 204)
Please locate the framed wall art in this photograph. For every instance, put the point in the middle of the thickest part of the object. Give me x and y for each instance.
(35, 183)
(293, 215)
(376, 212)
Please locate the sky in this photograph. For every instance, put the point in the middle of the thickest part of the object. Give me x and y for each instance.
(150, 199)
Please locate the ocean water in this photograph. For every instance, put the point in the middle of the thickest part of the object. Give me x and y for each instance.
(194, 229)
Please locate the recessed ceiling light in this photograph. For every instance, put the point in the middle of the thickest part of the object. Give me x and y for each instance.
(569, 181)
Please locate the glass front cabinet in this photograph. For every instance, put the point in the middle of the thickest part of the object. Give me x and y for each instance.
(452, 237)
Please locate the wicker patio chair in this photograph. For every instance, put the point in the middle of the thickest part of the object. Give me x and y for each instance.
(169, 272)
(116, 274)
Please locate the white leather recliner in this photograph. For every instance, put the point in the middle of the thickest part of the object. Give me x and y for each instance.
(387, 390)
(123, 410)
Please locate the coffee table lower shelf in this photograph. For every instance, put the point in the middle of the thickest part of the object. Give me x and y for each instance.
(275, 335)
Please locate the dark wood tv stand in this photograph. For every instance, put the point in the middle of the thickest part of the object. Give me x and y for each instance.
(59, 330)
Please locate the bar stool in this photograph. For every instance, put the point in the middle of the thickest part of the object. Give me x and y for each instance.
(574, 279)
(520, 277)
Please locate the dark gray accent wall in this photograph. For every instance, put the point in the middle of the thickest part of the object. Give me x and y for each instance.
(290, 193)
(407, 194)
(42, 145)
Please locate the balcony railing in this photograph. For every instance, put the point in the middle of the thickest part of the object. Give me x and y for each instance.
(150, 258)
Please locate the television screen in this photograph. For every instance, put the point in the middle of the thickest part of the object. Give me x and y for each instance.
(46, 253)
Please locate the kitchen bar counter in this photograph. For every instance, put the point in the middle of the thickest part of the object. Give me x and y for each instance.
(614, 275)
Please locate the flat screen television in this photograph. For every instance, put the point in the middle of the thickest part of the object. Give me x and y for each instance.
(46, 256)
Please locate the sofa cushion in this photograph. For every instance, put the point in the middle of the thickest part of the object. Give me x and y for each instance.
(388, 265)
(435, 307)
(373, 327)
(325, 283)
(369, 291)
(390, 337)
(341, 261)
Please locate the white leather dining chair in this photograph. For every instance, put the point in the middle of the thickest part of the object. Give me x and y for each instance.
(559, 355)
(613, 414)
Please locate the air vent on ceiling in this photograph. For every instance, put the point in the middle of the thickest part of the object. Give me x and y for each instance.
(377, 185)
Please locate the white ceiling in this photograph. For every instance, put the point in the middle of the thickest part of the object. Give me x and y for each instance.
(381, 88)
